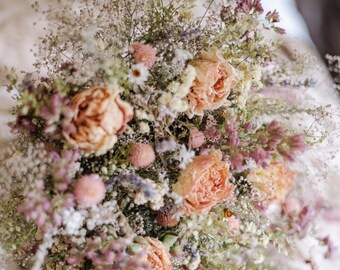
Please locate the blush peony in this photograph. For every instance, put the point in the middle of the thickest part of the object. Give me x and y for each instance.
(99, 116)
(204, 183)
(215, 78)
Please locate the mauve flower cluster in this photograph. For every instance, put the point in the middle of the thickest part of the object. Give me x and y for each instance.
(39, 208)
(242, 141)
(109, 254)
(247, 6)
(22, 123)
(64, 168)
(57, 111)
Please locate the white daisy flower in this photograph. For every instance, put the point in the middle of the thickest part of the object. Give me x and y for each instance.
(138, 74)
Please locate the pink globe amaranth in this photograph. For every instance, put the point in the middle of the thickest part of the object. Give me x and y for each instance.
(89, 190)
(144, 54)
(141, 155)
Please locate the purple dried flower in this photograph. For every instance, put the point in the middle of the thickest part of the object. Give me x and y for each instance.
(330, 247)
(258, 6)
(285, 152)
(260, 156)
(22, 123)
(63, 168)
(244, 5)
(247, 5)
(192, 34)
(275, 129)
(280, 30)
(109, 254)
(51, 112)
(229, 128)
(236, 160)
(234, 139)
(248, 126)
(212, 133)
(36, 207)
(297, 143)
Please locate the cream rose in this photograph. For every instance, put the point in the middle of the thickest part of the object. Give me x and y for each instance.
(274, 182)
(215, 78)
(204, 183)
(157, 255)
(99, 116)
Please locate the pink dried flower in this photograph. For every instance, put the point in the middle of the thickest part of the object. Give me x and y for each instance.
(141, 155)
(236, 160)
(36, 207)
(260, 156)
(144, 54)
(196, 138)
(212, 133)
(297, 143)
(62, 168)
(22, 123)
(89, 190)
(330, 247)
(51, 112)
(292, 206)
(247, 5)
(233, 224)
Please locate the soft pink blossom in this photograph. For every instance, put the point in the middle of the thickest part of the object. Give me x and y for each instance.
(292, 206)
(196, 138)
(144, 54)
(233, 224)
(89, 190)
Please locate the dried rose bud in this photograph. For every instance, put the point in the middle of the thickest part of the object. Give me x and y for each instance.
(141, 155)
(196, 138)
(166, 218)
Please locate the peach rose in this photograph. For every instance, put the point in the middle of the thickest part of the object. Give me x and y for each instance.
(274, 181)
(99, 116)
(157, 255)
(204, 183)
(215, 78)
